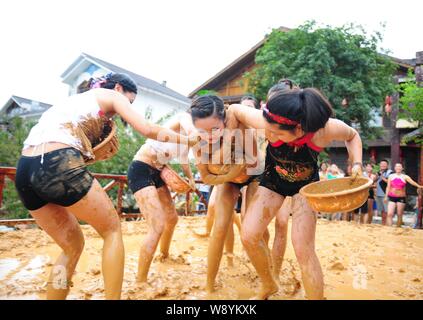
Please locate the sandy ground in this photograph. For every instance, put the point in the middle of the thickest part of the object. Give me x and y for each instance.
(359, 262)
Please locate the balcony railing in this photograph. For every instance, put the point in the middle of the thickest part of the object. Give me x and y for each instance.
(7, 175)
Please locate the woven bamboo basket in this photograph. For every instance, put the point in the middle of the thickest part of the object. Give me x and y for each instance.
(174, 181)
(219, 169)
(108, 147)
(337, 195)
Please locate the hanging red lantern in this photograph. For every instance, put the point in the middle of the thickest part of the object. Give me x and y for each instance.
(373, 155)
(388, 104)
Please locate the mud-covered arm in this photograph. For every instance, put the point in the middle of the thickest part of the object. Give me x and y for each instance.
(113, 102)
(213, 179)
(186, 168)
(336, 130)
(248, 116)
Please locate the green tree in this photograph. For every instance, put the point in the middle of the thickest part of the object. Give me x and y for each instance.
(11, 141)
(341, 62)
(411, 100)
(411, 104)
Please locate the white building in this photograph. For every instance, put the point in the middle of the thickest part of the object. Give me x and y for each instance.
(153, 98)
(27, 109)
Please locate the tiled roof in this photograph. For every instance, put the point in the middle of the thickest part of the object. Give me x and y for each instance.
(140, 80)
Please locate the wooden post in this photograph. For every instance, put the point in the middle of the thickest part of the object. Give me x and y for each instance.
(395, 138)
(418, 71)
(2, 181)
(419, 223)
(119, 198)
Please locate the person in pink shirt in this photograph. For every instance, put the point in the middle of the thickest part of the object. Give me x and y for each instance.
(396, 195)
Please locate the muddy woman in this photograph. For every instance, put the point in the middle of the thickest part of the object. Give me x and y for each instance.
(54, 184)
(152, 194)
(298, 125)
(215, 130)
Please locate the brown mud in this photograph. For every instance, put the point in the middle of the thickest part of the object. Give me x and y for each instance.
(358, 261)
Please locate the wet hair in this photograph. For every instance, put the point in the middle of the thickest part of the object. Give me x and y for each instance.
(252, 98)
(282, 85)
(324, 163)
(109, 81)
(207, 106)
(307, 106)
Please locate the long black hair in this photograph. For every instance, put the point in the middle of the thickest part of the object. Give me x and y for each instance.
(206, 106)
(109, 81)
(251, 98)
(283, 84)
(307, 107)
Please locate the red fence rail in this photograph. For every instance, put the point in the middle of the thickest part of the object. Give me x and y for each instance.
(119, 181)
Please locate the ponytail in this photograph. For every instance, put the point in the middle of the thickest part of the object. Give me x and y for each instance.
(109, 81)
(307, 107)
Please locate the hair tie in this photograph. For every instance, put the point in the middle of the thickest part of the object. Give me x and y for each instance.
(279, 119)
(108, 76)
(98, 82)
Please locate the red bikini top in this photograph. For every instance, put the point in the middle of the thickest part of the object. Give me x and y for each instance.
(305, 140)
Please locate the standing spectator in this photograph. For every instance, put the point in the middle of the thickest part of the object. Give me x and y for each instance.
(333, 172)
(251, 101)
(364, 214)
(395, 192)
(416, 208)
(368, 217)
(323, 171)
(349, 216)
(205, 192)
(381, 184)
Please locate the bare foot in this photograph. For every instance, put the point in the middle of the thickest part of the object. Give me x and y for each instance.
(266, 292)
(230, 260)
(200, 234)
(210, 288)
(141, 279)
(142, 285)
(161, 257)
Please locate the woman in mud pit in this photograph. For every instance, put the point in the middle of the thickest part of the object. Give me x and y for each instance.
(152, 194)
(250, 101)
(212, 159)
(282, 216)
(298, 126)
(54, 184)
(396, 194)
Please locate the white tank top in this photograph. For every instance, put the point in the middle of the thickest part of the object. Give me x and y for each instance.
(59, 123)
(167, 151)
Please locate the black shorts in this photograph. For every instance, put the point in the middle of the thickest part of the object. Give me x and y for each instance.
(371, 193)
(364, 209)
(141, 175)
(246, 183)
(271, 180)
(397, 199)
(62, 179)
